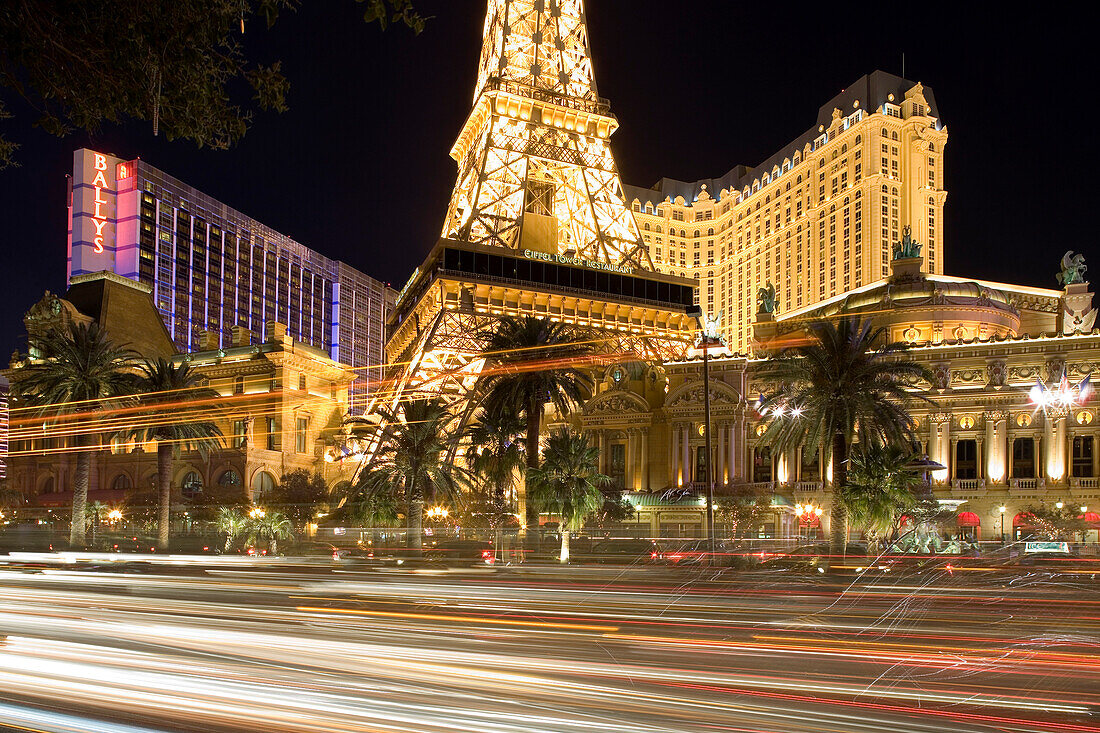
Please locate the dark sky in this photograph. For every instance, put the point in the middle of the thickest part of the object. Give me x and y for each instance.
(358, 168)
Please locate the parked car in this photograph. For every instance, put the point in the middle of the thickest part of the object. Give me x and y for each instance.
(818, 558)
(627, 552)
(461, 552)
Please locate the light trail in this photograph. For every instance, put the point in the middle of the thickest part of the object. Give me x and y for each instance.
(238, 652)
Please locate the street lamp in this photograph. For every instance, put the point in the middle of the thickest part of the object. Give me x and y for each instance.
(806, 514)
(114, 515)
(1002, 509)
(438, 512)
(708, 338)
(257, 513)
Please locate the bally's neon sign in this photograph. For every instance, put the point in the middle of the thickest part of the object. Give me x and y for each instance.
(99, 218)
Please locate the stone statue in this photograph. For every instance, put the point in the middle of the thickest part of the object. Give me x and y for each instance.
(765, 296)
(907, 247)
(1073, 269)
(710, 328)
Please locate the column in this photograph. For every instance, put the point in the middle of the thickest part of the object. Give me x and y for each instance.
(1055, 437)
(673, 438)
(720, 456)
(732, 443)
(602, 441)
(645, 460)
(996, 435)
(685, 455)
(1037, 462)
(939, 445)
(628, 469)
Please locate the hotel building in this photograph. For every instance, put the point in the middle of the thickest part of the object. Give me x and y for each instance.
(212, 268)
(818, 218)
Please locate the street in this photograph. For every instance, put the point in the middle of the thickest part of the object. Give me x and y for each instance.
(612, 649)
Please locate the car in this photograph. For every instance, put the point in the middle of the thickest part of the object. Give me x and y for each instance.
(461, 552)
(623, 551)
(818, 558)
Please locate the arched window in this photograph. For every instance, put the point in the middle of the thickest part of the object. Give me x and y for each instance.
(859, 139)
(192, 484)
(894, 136)
(931, 147)
(697, 232)
(263, 483)
(121, 482)
(844, 148)
(647, 226)
(710, 232)
(658, 228)
(894, 191)
(931, 201)
(229, 477)
(885, 133)
(47, 486)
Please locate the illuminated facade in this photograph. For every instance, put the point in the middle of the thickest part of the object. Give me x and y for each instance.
(537, 224)
(212, 268)
(4, 391)
(282, 402)
(1014, 419)
(817, 219)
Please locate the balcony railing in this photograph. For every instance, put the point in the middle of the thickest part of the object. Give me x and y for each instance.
(809, 486)
(1082, 482)
(1024, 483)
(968, 483)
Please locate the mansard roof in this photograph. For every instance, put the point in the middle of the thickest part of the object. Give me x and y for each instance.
(871, 90)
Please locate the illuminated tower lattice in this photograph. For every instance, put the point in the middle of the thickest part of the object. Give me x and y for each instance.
(537, 224)
(535, 168)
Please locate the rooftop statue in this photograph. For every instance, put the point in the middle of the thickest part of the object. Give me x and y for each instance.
(1073, 269)
(710, 327)
(907, 247)
(765, 296)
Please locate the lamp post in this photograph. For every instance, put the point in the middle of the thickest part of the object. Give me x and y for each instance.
(706, 340)
(1002, 508)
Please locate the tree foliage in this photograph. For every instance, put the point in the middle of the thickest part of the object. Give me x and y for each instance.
(743, 510)
(836, 387)
(299, 495)
(179, 64)
(1053, 523)
(882, 483)
(568, 483)
(531, 362)
(411, 465)
(71, 371)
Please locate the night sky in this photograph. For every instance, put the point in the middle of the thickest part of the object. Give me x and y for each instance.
(358, 168)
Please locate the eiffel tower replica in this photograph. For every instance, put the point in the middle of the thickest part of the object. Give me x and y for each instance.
(537, 224)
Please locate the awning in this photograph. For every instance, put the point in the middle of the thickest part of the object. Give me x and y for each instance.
(1091, 518)
(1023, 519)
(969, 519)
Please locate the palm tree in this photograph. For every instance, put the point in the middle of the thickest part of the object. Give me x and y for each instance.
(70, 372)
(568, 483)
(496, 454)
(232, 523)
(411, 462)
(882, 483)
(530, 362)
(171, 395)
(835, 389)
(93, 510)
(272, 527)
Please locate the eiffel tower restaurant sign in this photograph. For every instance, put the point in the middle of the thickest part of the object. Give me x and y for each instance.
(577, 262)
